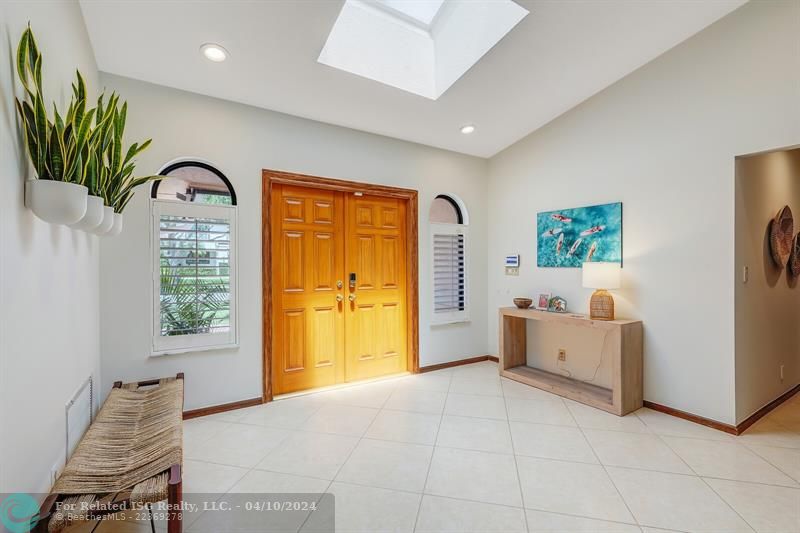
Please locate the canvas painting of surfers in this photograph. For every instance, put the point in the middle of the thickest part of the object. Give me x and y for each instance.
(570, 237)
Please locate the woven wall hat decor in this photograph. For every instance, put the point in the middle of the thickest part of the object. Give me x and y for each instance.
(781, 232)
(794, 259)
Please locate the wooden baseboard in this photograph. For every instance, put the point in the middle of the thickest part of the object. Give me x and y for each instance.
(460, 362)
(493, 358)
(752, 419)
(720, 426)
(214, 409)
(738, 429)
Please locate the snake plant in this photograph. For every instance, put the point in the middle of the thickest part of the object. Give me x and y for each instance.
(57, 149)
(108, 169)
(85, 146)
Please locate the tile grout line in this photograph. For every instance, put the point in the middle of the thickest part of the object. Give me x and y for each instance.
(514, 454)
(663, 440)
(773, 464)
(706, 483)
(433, 453)
(613, 483)
(467, 500)
(349, 455)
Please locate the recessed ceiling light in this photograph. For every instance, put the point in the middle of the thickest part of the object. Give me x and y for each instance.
(214, 52)
(466, 130)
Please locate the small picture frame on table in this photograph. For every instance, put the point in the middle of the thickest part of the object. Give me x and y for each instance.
(558, 305)
(543, 301)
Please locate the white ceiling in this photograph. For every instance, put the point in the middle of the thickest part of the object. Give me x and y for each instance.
(559, 55)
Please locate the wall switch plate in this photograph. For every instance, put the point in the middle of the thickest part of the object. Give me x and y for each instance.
(562, 355)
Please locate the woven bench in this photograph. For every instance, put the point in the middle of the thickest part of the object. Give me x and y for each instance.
(129, 458)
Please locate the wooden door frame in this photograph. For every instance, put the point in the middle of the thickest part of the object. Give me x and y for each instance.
(272, 177)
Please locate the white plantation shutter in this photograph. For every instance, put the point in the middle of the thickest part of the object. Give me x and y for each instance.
(449, 273)
(194, 276)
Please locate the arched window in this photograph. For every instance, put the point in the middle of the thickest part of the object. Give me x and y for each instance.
(445, 210)
(194, 181)
(447, 218)
(194, 257)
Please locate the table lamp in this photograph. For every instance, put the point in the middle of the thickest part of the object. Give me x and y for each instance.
(601, 276)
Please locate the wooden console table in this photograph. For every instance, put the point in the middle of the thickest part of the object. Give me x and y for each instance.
(625, 340)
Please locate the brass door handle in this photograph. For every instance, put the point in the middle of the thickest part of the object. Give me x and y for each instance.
(339, 297)
(352, 297)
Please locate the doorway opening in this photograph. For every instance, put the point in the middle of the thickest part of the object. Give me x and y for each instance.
(767, 281)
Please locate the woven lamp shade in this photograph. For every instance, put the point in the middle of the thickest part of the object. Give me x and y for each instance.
(601, 276)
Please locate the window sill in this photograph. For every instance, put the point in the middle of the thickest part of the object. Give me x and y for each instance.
(449, 321)
(177, 351)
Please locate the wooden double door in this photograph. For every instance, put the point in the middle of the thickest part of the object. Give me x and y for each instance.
(339, 285)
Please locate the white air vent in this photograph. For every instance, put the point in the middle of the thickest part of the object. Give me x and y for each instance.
(79, 414)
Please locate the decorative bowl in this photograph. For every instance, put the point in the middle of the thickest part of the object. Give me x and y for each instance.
(523, 303)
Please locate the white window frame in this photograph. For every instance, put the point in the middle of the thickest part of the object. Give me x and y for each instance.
(449, 317)
(162, 345)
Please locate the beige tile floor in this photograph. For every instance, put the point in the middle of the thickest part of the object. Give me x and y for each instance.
(461, 450)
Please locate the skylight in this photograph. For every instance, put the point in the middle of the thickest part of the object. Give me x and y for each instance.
(421, 11)
(419, 46)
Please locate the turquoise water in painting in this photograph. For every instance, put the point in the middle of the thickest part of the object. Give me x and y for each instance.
(585, 233)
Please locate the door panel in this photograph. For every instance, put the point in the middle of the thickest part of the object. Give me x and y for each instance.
(389, 259)
(308, 260)
(291, 259)
(294, 349)
(325, 273)
(324, 324)
(375, 320)
(364, 261)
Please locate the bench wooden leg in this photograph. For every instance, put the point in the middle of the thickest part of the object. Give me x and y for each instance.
(45, 511)
(175, 514)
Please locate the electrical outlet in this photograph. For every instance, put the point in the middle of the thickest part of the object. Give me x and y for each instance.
(562, 354)
(781, 372)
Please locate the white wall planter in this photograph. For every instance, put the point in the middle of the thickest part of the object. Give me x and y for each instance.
(57, 202)
(93, 216)
(108, 221)
(116, 228)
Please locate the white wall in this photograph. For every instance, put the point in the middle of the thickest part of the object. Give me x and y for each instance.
(241, 141)
(49, 339)
(662, 141)
(768, 304)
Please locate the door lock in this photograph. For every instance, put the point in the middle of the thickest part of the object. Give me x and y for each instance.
(352, 297)
(339, 297)
(339, 284)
